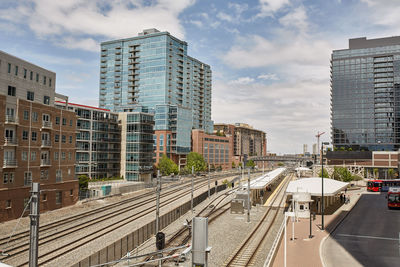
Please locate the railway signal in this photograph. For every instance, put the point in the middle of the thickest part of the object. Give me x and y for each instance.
(160, 241)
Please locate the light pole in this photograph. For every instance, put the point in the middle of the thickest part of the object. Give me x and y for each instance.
(322, 184)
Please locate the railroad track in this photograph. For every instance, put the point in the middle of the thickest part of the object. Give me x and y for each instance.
(245, 254)
(213, 210)
(21, 246)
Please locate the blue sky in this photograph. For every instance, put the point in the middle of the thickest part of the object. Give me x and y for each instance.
(270, 58)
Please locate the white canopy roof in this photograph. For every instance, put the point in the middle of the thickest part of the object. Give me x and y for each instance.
(313, 186)
(262, 181)
(302, 169)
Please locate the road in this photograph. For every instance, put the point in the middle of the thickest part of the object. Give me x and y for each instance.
(368, 236)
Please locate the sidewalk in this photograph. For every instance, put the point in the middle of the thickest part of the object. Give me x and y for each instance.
(303, 251)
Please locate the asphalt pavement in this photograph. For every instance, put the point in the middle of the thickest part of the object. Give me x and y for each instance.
(368, 236)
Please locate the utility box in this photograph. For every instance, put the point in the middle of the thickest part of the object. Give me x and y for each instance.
(200, 248)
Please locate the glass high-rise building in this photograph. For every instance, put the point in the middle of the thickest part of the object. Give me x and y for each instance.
(365, 94)
(153, 70)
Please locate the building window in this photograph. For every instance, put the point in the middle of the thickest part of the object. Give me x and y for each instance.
(35, 116)
(55, 155)
(44, 197)
(161, 148)
(30, 95)
(25, 135)
(71, 192)
(49, 82)
(63, 139)
(64, 121)
(56, 138)
(11, 90)
(58, 197)
(70, 122)
(70, 139)
(24, 155)
(44, 174)
(16, 70)
(37, 77)
(8, 204)
(26, 115)
(58, 176)
(5, 178)
(9, 68)
(31, 76)
(57, 120)
(27, 178)
(46, 100)
(33, 155)
(34, 136)
(69, 155)
(62, 155)
(25, 71)
(10, 177)
(44, 80)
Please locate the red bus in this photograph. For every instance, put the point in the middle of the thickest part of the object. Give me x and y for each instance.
(393, 197)
(382, 185)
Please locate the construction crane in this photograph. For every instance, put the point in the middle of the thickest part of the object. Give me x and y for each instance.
(318, 136)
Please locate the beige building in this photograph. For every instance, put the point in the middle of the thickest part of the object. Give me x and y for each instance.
(38, 143)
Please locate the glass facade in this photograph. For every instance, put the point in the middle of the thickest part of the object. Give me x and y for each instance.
(154, 71)
(365, 95)
(138, 146)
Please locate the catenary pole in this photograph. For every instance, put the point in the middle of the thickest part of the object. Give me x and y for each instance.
(34, 227)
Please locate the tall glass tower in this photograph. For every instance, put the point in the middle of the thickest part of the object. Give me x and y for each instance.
(365, 94)
(153, 69)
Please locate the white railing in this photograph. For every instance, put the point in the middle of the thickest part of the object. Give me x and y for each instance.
(274, 247)
(47, 124)
(10, 141)
(9, 163)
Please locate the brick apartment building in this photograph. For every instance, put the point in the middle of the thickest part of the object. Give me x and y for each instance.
(216, 150)
(38, 143)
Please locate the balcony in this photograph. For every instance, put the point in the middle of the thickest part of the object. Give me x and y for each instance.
(10, 163)
(11, 119)
(45, 163)
(46, 143)
(47, 124)
(10, 141)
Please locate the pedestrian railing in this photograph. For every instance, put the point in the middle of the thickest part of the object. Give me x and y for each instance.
(268, 262)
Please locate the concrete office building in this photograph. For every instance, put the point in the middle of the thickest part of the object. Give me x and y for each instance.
(98, 141)
(39, 139)
(365, 94)
(137, 156)
(153, 70)
(246, 139)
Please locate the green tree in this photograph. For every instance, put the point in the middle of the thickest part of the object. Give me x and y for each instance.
(390, 173)
(326, 175)
(233, 165)
(376, 172)
(197, 161)
(83, 183)
(167, 166)
(250, 163)
(280, 164)
(240, 165)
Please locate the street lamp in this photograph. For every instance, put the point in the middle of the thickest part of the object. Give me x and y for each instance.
(322, 184)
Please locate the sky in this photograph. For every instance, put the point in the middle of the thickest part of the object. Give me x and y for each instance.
(270, 58)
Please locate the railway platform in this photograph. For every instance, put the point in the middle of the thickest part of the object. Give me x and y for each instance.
(304, 251)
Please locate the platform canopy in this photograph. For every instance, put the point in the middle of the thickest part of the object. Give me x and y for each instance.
(264, 180)
(302, 169)
(313, 186)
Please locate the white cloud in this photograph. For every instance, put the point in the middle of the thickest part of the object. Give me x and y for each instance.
(198, 23)
(297, 18)
(269, 7)
(384, 13)
(268, 76)
(76, 19)
(242, 80)
(257, 51)
(224, 16)
(290, 112)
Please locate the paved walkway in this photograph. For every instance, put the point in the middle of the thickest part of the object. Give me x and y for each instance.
(305, 252)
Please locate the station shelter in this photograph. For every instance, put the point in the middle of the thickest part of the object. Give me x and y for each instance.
(313, 186)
